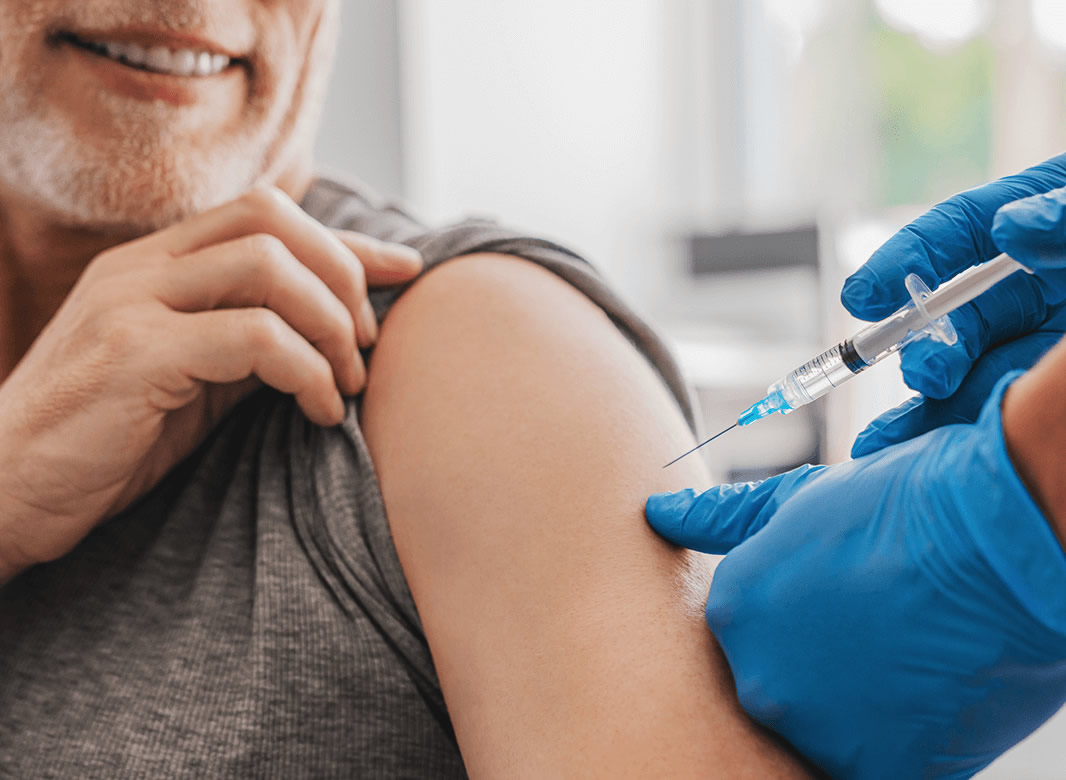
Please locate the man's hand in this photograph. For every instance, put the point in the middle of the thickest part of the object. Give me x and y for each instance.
(1011, 326)
(900, 615)
(158, 339)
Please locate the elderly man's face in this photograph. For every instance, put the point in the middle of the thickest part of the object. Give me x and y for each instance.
(130, 114)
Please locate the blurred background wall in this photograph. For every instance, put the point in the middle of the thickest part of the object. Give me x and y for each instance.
(679, 144)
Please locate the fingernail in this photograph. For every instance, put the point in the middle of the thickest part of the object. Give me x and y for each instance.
(407, 257)
(339, 410)
(368, 321)
(359, 379)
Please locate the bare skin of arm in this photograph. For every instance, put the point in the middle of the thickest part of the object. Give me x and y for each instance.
(517, 435)
(1034, 427)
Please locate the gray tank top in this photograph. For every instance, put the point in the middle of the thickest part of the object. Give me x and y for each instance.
(249, 617)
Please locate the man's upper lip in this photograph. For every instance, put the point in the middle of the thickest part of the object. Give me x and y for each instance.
(149, 38)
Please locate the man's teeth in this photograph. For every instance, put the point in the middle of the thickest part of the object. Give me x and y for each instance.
(175, 62)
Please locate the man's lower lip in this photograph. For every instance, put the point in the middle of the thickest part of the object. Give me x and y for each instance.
(142, 84)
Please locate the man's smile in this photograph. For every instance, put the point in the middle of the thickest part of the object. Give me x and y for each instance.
(185, 61)
(150, 65)
(178, 58)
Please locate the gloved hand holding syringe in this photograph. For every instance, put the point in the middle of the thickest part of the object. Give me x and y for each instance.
(925, 316)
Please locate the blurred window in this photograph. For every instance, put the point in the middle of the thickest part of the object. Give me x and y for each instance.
(934, 111)
(846, 106)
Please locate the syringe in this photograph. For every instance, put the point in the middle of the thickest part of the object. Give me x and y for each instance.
(925, 315)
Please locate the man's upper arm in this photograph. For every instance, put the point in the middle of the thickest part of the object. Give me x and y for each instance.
(516, 435)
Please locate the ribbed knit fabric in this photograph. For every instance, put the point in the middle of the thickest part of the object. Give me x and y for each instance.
(249, 617)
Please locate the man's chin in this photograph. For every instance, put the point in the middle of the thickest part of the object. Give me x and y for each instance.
(131, 207)
(132, 186)
(132, 217)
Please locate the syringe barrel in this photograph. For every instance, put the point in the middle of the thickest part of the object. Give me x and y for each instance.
(879, 340)
(923, 315)
(817, 377)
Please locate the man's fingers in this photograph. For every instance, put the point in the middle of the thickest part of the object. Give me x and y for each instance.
(717, 520)
(384, 263)
(949, 238)
(259, 270)
(260, 210)
(268, 210)
(229, 345)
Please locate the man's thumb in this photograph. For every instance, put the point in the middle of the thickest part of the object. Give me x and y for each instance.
(717, 520)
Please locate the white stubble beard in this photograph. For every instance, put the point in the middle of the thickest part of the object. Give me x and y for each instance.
(142, 183)
(155, 174)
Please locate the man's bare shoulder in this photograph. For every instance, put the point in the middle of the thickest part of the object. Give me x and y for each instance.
(516, 434)
(503, 353)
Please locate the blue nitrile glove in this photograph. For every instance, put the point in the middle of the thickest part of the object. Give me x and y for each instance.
(902, 615)
(1010, 326)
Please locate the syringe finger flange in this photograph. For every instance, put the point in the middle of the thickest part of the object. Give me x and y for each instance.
(939, 328)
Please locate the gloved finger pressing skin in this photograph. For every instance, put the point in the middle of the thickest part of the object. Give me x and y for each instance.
(918, 415)
(902, 614)
(717, 520)
(949, 238)
(1017, 305)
